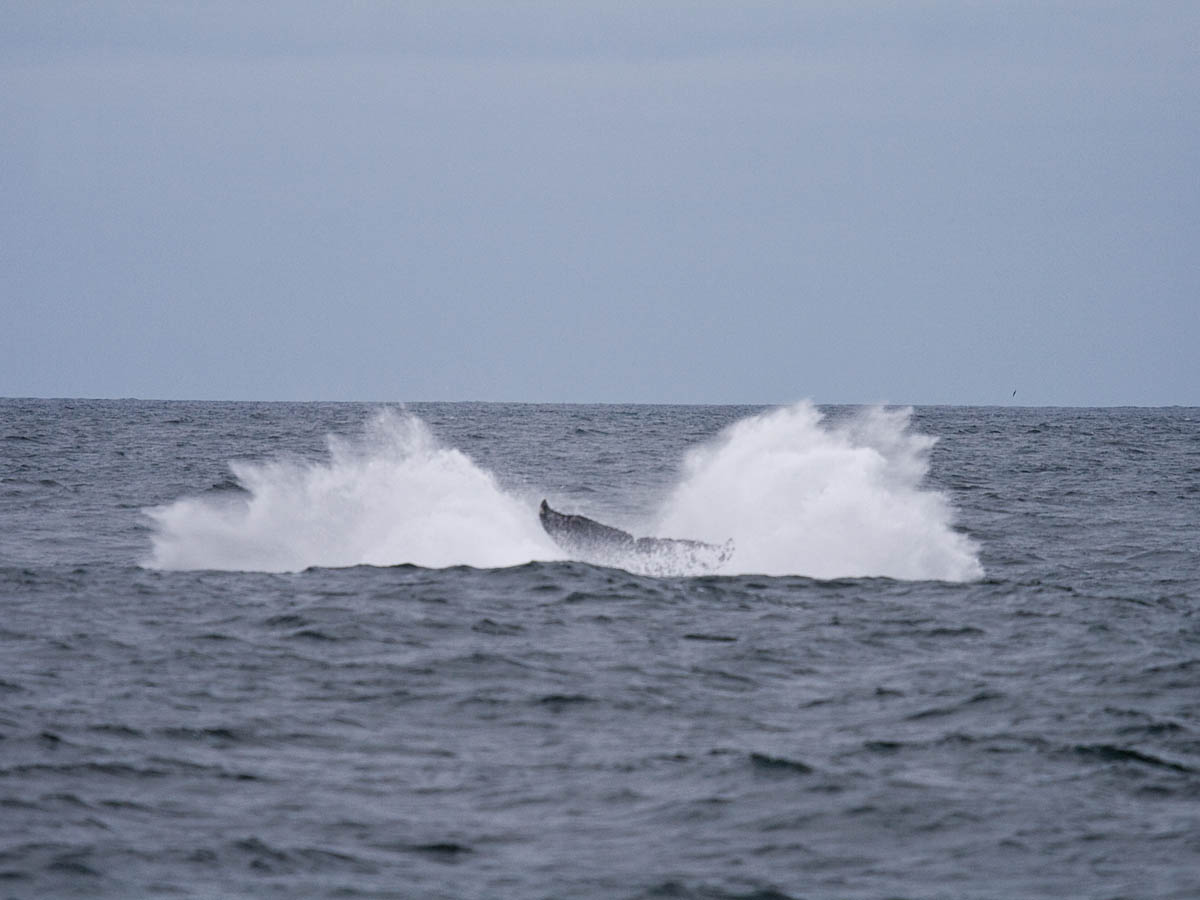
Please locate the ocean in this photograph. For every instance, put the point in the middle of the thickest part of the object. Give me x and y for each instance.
(327, 650)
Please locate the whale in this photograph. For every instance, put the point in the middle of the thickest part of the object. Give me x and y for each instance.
(591, 541)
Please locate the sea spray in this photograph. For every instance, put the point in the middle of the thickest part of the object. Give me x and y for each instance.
(395, 495)
(797, 496)
(802, 497)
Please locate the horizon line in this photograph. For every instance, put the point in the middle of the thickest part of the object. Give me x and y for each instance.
(818, 403)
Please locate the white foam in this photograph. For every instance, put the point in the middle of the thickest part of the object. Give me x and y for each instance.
(394, 496)
(799, 497)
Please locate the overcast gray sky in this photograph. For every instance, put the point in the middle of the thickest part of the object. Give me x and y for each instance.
(702, 202)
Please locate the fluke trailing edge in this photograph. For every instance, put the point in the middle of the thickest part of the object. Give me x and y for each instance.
(590, 541)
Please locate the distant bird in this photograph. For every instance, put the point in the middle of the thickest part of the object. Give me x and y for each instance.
(1014, 393)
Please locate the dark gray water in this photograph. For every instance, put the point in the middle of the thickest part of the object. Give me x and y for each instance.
(561, 729)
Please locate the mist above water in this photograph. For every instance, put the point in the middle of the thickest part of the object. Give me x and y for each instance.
(797, 496)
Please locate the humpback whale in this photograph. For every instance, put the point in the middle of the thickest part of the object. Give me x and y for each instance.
(590, 541)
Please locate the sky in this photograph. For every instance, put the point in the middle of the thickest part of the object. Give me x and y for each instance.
(684, 201)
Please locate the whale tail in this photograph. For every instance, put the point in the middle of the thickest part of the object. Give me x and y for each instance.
(591, 541)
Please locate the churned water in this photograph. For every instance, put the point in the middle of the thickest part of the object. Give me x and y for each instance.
(315, 650)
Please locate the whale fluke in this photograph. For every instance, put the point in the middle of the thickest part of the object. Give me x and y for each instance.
(591, 541)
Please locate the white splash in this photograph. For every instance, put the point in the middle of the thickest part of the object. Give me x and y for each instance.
(394, 496)
(797, 497)
(801, 498)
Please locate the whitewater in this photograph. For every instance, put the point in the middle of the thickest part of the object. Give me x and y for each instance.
(796, 496)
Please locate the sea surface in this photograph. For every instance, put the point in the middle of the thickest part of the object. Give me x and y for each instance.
(326, 650)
